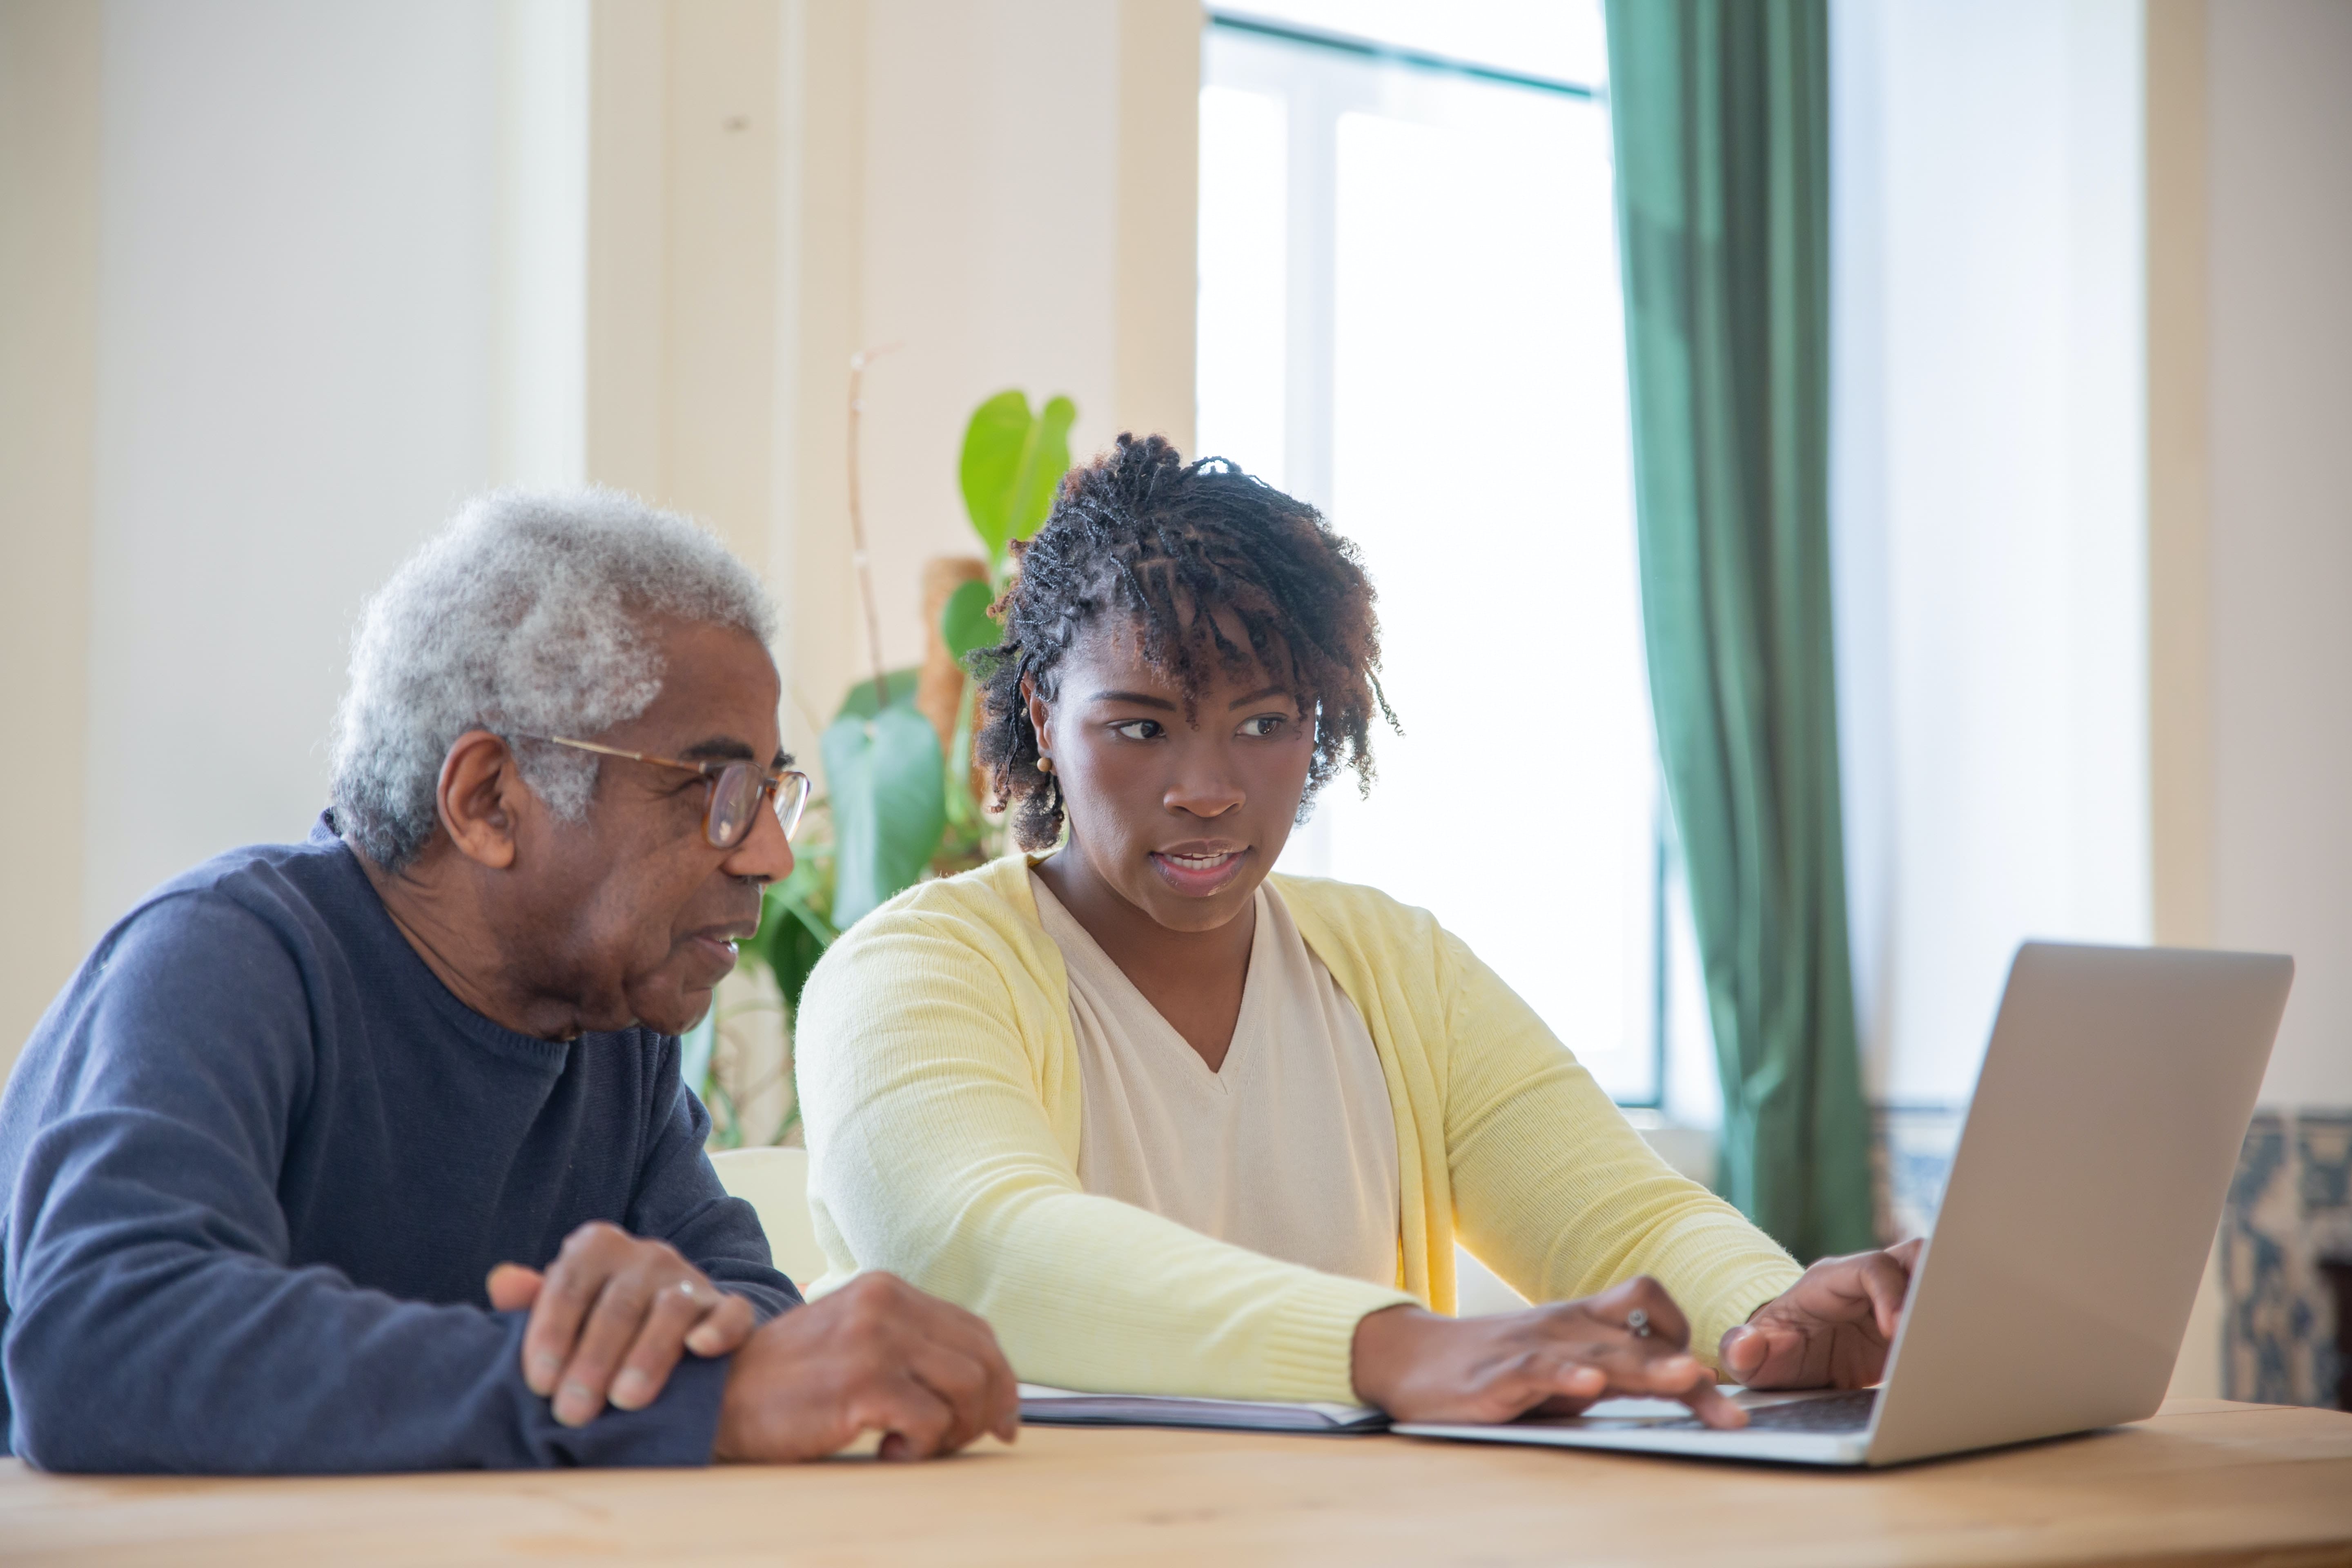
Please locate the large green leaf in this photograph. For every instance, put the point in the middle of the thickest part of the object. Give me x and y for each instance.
(860, 699)
(694, 1048)
(993, 445)
(965, 624)
(887, 785)
(1049, 459)
(795, 925)
(1011, 462)
(793, 932)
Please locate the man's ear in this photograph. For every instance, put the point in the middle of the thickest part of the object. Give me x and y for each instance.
(481, 797)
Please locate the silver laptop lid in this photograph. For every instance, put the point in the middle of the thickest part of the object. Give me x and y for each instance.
(2082, 1200)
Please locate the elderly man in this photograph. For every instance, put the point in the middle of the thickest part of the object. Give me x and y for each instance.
(371, 1153)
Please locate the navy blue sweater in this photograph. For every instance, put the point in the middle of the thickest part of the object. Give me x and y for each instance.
(256, 1161)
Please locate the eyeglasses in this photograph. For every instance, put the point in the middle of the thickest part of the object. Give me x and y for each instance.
(736, 790)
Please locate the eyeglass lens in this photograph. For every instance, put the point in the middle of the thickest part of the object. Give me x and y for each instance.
(735, 797)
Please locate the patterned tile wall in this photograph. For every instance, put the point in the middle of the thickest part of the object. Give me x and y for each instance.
(2290, 1207)
(1911, 1154)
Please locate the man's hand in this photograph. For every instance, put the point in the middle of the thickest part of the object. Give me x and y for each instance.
(876, 1356)
(1556, 1359)
(1830, 1330)
(610, 1318)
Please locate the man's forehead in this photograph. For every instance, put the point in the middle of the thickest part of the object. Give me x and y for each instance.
(705, 727)
(718, 697)
(730, 749)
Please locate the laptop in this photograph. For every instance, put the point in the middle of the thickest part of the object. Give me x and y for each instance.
(2075, 1225)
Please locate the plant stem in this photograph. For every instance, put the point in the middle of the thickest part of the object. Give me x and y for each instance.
(858, 364)
(963, 808)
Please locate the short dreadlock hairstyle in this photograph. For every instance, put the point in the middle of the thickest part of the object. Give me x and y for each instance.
(1139, 531)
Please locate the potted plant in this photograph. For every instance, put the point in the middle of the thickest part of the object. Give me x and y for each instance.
(900, 802)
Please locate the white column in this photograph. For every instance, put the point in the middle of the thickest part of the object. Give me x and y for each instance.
(543, 355)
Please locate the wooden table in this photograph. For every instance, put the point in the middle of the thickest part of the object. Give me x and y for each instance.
(2204, 1483)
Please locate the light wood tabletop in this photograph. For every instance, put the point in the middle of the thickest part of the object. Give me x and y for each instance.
(2204, 1483)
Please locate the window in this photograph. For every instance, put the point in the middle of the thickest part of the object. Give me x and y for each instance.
(1410, 316)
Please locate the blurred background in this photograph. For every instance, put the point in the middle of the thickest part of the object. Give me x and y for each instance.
(281, 284)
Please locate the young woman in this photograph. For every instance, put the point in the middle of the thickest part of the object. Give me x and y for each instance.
(1172, 1125)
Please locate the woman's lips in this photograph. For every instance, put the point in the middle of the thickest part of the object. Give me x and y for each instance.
(1199, 876)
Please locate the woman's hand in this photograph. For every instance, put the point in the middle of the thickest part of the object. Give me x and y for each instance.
(1556, 1359)
(1830, 1330)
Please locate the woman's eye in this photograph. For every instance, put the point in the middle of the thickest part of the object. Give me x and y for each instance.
(1264, 726)
(1137, 729)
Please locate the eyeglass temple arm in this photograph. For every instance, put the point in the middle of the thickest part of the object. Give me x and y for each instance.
(774, 777)
(604, 751)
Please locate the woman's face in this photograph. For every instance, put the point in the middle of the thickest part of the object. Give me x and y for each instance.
(1181, 819)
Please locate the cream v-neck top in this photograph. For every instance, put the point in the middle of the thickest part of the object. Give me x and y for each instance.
(1288, 1150)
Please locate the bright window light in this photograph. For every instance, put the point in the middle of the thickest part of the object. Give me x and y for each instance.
(1410, 316)
(1240, 375)
(1539, 37)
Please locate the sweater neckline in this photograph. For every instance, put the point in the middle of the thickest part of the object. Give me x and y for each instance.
(391, 949)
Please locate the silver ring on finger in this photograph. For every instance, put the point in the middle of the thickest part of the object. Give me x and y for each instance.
(1637, 1323)
(690, 1290)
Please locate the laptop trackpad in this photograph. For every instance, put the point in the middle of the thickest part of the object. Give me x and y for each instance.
(1825, 1411)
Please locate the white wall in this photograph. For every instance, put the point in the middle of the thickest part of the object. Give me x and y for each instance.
(49, 131)
(298, 276)
(346, 276)
(1010, 205)
(987, 125)
(541, 420)
(2280, 114)
(1988, 510)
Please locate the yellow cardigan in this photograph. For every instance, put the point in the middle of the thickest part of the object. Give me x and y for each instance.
(939, 1079)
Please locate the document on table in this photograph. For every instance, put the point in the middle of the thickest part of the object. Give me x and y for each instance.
(1045, 1406)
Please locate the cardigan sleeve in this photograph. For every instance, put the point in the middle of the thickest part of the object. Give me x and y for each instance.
(934, 1155)
(1555, 1191)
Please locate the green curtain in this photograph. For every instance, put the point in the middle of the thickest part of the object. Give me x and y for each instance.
(1721, 115)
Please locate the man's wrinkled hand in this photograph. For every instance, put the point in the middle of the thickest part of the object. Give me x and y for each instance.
(876, 1356)
(1833, 1329)
(610, 1318)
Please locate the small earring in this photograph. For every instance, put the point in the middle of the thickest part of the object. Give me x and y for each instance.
(1045, 764)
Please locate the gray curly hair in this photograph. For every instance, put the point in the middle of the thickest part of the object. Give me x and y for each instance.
(526, 613)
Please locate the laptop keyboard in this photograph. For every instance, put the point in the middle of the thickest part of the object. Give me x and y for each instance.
(1847, 1412)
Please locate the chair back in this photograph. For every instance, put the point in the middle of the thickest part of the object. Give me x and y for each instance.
(774, 1181)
